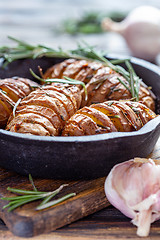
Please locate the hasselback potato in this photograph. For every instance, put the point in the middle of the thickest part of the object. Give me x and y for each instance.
(102, 83)
(11, 89)
(110, 116)
(45, 111)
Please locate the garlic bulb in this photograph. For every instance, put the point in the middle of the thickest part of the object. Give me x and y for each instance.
(141, 30)
(133, 187)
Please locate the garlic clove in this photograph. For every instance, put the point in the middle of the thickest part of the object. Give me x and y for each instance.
(133, 187)
(144, 215)
(142, 33)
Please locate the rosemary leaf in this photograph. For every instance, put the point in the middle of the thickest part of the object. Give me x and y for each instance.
(134, 81)
(17, 198)
(21, 43)
(31, 181)
(80, 83)
(83, 51)
(131, 78)
(36, 76)
(30, 196)
(15, 106)
(54, 202)
(123, 83)
(47, 199)
(21, 191)
(118, 61)
(20, 203)
(66, 80)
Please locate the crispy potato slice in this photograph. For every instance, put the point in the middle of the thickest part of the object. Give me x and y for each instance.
(67, 93)
(12, 89)
(25, 127)
(56, 71)
(42, 111)
(80, 125)
(115, 115)
(47, 101)
(129, 114)
(99, 118)
(72, 129)
(47, 106)
(143, 113)
(108, 117)
(33, 118)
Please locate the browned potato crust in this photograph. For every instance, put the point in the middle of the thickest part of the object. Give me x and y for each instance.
(102, 83)
(48, 108)
(110, 116)
(12, 89)
(55, 109)
(142, 112)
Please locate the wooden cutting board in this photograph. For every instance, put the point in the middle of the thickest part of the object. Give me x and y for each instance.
(27, 222)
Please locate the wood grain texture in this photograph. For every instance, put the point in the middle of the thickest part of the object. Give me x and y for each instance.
(108, 223)
(27, 222)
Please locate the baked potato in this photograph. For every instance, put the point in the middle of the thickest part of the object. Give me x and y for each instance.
(12, 89)
(46, 110)
(110, 116)
(102, 83)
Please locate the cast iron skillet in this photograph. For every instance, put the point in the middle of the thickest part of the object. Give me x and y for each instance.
(77, 157)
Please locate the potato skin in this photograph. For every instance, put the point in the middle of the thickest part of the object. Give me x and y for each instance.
(57, 108)
(110, 116)
(45, 111)
(12, 89)
(101, 82)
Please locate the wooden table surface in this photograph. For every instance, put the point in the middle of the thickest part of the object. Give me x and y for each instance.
(35, 21)
(108, 223)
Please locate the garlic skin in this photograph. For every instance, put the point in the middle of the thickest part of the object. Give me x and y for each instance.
(141, 30)
(133, 187)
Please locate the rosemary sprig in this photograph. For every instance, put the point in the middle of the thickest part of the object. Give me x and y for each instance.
(123, 83)
(130, 75)
(32, 183)
(26, 196)
(83, 51)
(67, 80)
(15, 106)
(134, 81)
(54, 202)
(25, 50)
(73, 81)
(88, 22)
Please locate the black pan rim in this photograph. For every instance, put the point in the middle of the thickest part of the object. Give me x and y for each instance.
(148, 127)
